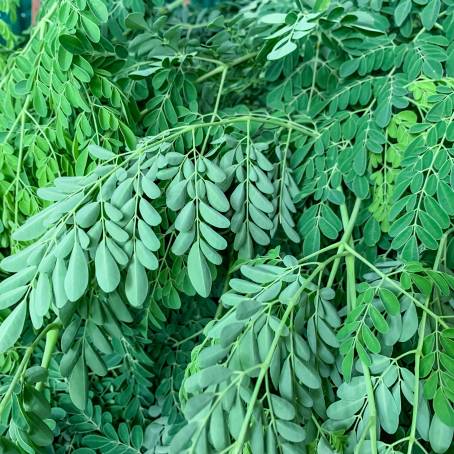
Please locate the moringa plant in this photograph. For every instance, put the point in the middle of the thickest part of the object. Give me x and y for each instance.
(268, 267)
(59, 92)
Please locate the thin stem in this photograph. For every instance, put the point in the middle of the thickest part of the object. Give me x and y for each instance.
(19, 161)
(350, 265)
(418, 353)
(51, 342)
(265, 119)
(348, 229)
(396, 286)
(186, 339)
(221, 88)
(314, 74)
(372, 410)
(216, 107)
(23, 366)
(220, 68)
(238, 447)
(16, 378)
(351, 304)
(361, 439)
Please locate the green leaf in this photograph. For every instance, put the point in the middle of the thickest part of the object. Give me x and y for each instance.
(43, 295)
(91, 28)
(150, 188)
(409, 323)
(388, 412)
(216, 197)
(198, 271)
(146, 257)
(218, 429)
(378, 320)
(72, 44)
(39, 433)
(76, 279)
(136, 283)
(349, 67)
(197, 404)
(341, 409)
(390, 301)
(372, 232)
(107, 272)
(98, 152)
(440, 435)
(236, 417)
(282, 51)
(185, 219)
(213, 375)
(88, 215)
(12, 296)
(175, 195)
(94, 361)
(402, 11)
(99, 9)
(282, 408)
(33, 228)
(291, 431)
(212, 237)
(181, 440)
(149, 214)
(213, 217)
(430, 13)
(370, 340)
(78, 384)
(11, 327)
(135, 21)
(273, 18)
(307, 375)
(443, 408)
(148, 237)
(446, 197)
(36, 374)
(347, 365)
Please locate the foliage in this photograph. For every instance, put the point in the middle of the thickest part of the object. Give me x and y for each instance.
(268, 267)
(54, 102)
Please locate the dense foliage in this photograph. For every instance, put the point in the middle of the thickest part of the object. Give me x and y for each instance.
(228, 229)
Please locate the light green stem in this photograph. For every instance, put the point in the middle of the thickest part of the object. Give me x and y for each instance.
(348, 229)
(23, 366)
(220, 68)
(418, 353)
(350, 264)
(19, 169)
(17, 376)
(238, 447)
(51, 342)
(216, 107)
(351, 304)
(372, 410)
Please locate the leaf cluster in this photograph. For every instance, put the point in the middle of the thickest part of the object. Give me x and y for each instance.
(229, 229)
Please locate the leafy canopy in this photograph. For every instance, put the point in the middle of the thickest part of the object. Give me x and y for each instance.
(228, 229)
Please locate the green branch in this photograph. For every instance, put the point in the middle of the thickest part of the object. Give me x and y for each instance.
(51, 342)
(18, 376)
(348, 229)
(219, 69)
(396, 286)
(418, 353)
